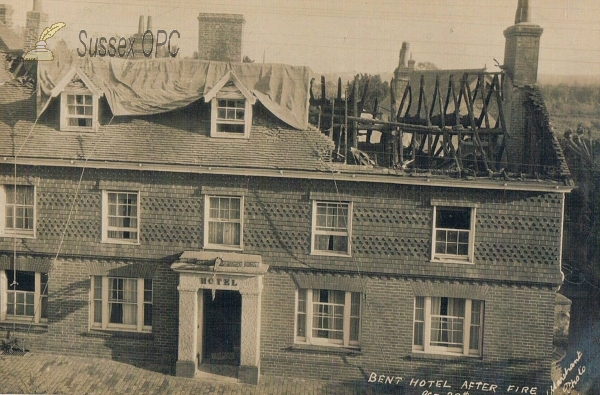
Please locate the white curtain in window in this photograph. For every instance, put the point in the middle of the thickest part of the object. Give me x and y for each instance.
(130, 299)
(437, 325)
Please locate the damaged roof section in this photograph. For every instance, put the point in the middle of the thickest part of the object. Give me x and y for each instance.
(443, 122)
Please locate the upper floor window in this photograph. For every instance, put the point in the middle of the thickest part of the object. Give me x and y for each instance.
(121, 303)
(328, 317)
(18, 217)
(331, 228)
(453, 231)
(79, 111)
(448, 325)
(223, 226)
(24, 296)
(231, 108)
(120, 217)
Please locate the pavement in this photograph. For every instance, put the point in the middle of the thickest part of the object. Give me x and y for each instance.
(38, 373)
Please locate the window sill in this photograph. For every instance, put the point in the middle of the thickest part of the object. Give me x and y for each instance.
(23, 326)
(327, 253)
(325, 350)
(18, 235)
(122, 242)
(78, 130)
(453, 260)
(112, 333)
(217, 247)
(417, 355)
(229, 136)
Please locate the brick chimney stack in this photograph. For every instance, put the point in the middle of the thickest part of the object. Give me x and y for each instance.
(6, 12)
(521, 65)
(521, 54)
(220, 37)
(35, 23)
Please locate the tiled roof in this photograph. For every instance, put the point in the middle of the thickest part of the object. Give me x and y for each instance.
(537, 103)
(180, 137)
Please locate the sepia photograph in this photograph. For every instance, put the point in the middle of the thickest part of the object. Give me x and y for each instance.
(300, 197)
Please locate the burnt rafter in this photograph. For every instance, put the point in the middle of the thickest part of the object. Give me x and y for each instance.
(455, 123)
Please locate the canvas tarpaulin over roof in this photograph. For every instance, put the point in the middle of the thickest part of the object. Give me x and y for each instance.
(143, 87)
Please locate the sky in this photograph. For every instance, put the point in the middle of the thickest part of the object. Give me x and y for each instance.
(351, 35)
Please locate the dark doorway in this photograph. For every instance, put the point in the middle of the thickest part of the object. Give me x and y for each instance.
(222, 327)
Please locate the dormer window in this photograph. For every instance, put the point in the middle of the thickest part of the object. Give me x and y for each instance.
(78, 102)
(231, 108)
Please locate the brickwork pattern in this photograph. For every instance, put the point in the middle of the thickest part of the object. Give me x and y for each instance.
(517, 234)
(521, 358)
(220, 37)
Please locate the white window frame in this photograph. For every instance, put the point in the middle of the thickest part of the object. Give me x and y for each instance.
(207, 220)
(465, 350)
(105, 300)
(307, 315)
(105, 223)
(39, 294)
(14, 232)
(315, 231)
(454, 258)
(65, 116)
(216, 121)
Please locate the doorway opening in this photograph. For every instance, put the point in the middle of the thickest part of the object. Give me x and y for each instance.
(222, 321)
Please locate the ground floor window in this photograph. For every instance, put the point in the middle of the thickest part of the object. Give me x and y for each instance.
(121, 303)
(24, 296)
(448, 325)
(328, 317)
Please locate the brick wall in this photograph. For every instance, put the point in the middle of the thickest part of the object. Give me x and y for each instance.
(220, 37)
(521, 54)
(35, 23)
(6, 12)
(517, 347)
(517, 242)
(517, 234)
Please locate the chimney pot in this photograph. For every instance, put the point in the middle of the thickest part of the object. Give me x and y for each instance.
(141, 25)
(403, 53)
(523, 12)
(149, 25)
(37, 5)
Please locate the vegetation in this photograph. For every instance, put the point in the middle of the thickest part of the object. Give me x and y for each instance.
(572, 105)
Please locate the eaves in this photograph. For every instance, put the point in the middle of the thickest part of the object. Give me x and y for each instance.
(479, 183)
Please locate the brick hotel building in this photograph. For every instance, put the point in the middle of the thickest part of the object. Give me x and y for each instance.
(184, 212)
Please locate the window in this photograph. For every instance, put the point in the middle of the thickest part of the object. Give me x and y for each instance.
(120, 217)
(79, 111)
(231, 116)
(331, 228)
(19, 210)
(24, 297)
(121, 303)
(448, 326)
(328, 317)
(223, 227)
(453, 230)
